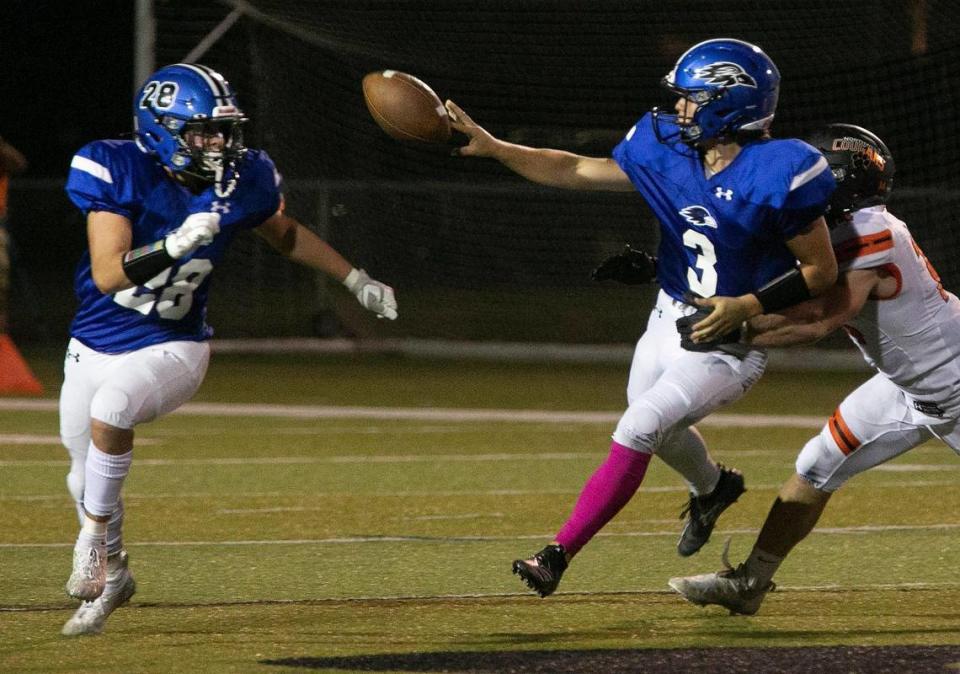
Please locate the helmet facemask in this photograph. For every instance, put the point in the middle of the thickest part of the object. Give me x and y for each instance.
(690, 130)
(210, 149)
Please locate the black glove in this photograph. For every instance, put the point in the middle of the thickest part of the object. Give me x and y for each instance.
(632, 266)
(727, 343)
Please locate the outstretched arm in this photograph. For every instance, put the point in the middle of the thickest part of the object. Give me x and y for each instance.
(297, 242)
(290, 238)
(555, 168)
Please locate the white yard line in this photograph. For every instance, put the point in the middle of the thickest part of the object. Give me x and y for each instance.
(354, 540)
(424, 458)
(434, 414)
(53, 440)
(934, 484)
(340, 459)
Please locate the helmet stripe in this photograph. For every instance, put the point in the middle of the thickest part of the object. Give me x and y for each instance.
(215, 84)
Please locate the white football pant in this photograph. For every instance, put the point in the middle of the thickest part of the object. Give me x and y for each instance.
(123, 390)
(874, 424)
(671, 388)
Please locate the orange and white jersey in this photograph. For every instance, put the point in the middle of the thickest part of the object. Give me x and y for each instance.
(911, 336)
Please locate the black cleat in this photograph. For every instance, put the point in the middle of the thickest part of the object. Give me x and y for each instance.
(543, 571)
(702, 512)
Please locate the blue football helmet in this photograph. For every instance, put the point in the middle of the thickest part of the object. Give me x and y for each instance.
(186, 116)
(734, 85)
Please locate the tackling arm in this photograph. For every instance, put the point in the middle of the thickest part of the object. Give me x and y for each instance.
(545, 166)
(814, 319)
(817, 271)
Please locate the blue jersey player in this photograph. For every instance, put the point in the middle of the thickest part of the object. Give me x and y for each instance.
(741, 233)
(160, 212)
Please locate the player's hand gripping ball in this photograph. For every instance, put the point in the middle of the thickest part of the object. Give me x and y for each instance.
(405, 107)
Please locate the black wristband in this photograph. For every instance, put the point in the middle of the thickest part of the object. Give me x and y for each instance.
(142, 264)
(784, 291)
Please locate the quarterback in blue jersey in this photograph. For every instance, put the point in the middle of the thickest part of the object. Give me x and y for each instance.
(160, 212)
(741, 233)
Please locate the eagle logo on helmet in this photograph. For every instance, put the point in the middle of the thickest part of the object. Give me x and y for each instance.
(725, 74)
(698, 215)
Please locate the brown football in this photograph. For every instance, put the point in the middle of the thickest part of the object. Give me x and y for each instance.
(405, 107)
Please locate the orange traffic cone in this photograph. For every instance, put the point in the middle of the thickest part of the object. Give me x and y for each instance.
(15, 374)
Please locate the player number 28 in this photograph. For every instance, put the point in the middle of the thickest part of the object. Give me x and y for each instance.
(159, 95)
(172, 297)
(704, 284)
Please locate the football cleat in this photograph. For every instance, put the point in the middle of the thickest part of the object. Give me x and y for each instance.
(89, 573)
(730, 588)
(543, 571)
(702, 512)
(91, 616)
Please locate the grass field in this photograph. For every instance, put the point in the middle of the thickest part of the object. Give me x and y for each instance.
(264, 538)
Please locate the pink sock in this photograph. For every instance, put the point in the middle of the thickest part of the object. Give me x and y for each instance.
(610, 487)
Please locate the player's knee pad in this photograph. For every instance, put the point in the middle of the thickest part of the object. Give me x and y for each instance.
(639, 428)
(111, 405)
(818, 461)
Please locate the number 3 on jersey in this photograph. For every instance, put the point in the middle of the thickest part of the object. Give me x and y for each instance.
(172, 298)
(705, 283)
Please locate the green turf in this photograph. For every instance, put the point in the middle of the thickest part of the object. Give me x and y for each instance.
(396, 536)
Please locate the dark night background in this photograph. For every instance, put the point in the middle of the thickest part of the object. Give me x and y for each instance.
(68, 79)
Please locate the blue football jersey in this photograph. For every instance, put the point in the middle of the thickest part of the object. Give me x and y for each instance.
(116, 176)
(726, 234)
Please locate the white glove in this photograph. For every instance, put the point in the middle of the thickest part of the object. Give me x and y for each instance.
(197, 230)
(373, 295)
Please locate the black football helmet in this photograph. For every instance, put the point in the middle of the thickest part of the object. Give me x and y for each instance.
(861, 164)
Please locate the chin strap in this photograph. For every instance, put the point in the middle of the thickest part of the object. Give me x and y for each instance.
(222, 190)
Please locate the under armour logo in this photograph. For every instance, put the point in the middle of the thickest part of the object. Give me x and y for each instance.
(220, 206)
(723, 194)
(74, 356)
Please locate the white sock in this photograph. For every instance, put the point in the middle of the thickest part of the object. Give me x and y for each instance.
(92, 532)
(115, 530)
(686, 453)
(762, 565)
(103, 479)
(93, 528)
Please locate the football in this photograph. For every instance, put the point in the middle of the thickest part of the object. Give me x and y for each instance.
(405, 107)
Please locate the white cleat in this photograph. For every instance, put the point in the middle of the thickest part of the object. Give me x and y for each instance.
(89, 570)
(730, 588)
(91, 616)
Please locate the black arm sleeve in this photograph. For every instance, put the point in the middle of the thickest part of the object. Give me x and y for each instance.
(784, 291)
(142, 264)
